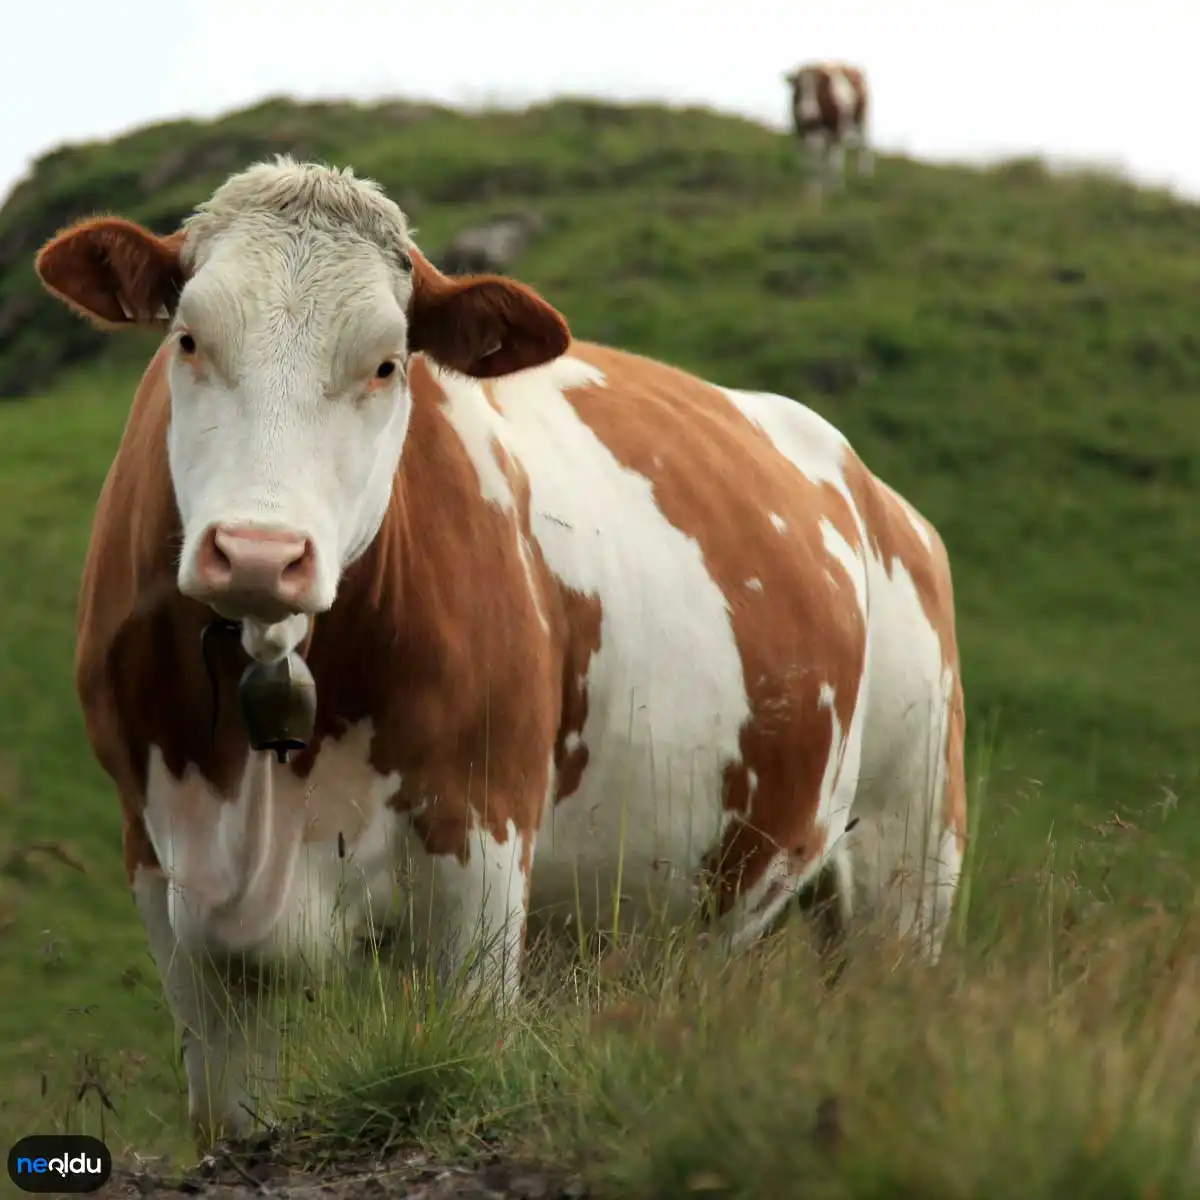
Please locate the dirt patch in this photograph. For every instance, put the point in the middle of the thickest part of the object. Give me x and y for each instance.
(411, 1175)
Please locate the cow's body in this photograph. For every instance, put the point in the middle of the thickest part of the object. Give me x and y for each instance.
(830, 106)
(617, 627)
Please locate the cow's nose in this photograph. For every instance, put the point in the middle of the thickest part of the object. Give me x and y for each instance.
(251, 564)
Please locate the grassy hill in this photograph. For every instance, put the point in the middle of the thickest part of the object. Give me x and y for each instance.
(1016, 352)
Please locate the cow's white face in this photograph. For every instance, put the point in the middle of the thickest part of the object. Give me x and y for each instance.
(289, 408)
(300, 299)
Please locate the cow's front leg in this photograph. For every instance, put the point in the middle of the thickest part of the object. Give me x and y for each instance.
(470, 902)
(228, 1053)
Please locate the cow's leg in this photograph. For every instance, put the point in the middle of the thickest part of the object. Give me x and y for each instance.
(229, 1057)
(907, 850)
(907, 876)
(468, 911)
(816, 148)
(835, 161)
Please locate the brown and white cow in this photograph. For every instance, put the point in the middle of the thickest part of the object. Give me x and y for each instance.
(573, 615)
(830, 104)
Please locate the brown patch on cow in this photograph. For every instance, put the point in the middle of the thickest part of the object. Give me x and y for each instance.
(831, 117)
(892, 540)
(802, 629)
(138, 852)
(584, 617)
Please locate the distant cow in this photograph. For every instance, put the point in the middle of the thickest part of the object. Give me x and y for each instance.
(829, 112)
(578, 621)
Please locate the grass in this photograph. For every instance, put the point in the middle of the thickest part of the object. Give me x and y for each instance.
(1053, 1059)
(1017, 353)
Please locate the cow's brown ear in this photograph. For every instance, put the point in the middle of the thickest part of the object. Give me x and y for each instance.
(481, 325)
(114, 272)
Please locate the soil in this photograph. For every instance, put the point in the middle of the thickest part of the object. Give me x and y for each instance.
(407, 1176)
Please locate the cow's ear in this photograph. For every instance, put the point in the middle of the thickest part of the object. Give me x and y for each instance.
(114, 272)
(481, 325)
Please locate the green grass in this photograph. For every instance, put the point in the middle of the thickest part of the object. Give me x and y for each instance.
(1051, 1063)
(1015, 352)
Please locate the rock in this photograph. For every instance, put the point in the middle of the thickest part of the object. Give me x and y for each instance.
(492, 246)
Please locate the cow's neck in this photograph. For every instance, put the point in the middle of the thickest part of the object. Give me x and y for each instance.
(395, 635)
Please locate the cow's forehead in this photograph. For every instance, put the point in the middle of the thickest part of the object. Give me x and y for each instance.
(285, 199)
(305, 244)
(302, 278)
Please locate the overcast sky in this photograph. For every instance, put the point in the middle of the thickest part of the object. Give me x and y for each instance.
(952, 78)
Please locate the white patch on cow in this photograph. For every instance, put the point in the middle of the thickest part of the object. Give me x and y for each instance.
(662, 719)
(481, 429)
(809, 442)
(905, 860)
(779, 523)
(844, 95)
(754, 585)
(817, 450)
(839, 780)
(261, 872)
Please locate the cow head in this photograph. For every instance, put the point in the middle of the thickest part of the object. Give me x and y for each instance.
(293, 301)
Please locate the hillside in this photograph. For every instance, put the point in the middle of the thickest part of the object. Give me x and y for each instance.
(1016, 352)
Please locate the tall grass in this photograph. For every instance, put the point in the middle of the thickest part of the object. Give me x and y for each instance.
(1052, 1056)
(1056, 1061)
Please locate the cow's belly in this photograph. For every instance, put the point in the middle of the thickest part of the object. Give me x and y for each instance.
(666, 704)
(637, 829)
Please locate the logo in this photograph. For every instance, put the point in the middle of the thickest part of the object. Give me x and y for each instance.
(59, 1162)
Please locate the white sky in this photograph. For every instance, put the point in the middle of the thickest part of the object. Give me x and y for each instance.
(951, 78)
